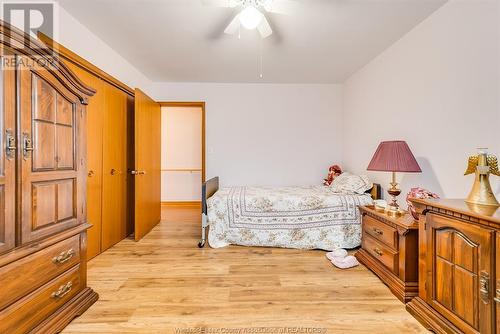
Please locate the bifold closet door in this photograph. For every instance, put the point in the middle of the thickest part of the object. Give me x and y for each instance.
(52, 159)
(147, 167)
(7, 153)
(114, 190)
(95, 115)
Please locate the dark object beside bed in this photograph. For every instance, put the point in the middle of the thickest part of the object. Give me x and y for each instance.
(211, 186)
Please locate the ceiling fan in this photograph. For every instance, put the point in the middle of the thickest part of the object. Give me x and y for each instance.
(251, 16)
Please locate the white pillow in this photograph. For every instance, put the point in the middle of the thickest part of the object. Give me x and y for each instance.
(351, 184)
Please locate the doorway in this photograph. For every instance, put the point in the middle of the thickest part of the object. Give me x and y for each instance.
(182, 154)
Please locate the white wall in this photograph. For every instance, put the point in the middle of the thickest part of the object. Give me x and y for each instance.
(438, 89)
(79, 39)
(181, 149)
(266, 134)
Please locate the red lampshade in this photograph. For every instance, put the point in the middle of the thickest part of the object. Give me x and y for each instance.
(394, 156)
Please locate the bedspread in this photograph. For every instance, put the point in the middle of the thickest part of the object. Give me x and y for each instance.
(292, 217)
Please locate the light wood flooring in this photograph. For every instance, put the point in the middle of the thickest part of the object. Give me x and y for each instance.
(165, 284)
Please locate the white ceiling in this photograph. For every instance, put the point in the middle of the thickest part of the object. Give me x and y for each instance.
(322, 41)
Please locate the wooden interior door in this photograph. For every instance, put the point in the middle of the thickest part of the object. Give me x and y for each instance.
(147, 171)
(115, 155)
(51, 118)
(8, 154)
(461, 258)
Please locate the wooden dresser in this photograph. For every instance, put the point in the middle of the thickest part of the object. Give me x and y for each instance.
(459, 282)
(389, 249)
(43, 171)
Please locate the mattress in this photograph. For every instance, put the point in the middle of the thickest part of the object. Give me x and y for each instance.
(312, 217)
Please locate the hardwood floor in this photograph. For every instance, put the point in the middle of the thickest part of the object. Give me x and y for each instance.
(165, 284)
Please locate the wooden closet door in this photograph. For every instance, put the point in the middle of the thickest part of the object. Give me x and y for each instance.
(7, 154)
(461, 259)
(147, 170)
(114, 191)
(95, 115)
(51, 120)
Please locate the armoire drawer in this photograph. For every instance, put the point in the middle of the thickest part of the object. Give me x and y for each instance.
(25, 275)
(381, 252)
(37, 306)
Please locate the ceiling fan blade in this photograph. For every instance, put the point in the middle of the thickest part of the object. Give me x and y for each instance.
(264, 28)
(280, 6)
(233, 27)
(220, 3)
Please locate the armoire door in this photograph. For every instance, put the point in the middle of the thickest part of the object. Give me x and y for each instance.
(461, 259)
(50, 118)
(147, 168)
(8, 153)
(115, 155)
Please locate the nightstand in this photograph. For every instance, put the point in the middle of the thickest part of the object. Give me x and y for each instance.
(389, 248)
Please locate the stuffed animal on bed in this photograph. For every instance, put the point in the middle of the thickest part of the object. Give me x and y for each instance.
(333, 172)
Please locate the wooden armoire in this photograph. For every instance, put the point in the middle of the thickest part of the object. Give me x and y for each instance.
(459, 270)
(43, 176)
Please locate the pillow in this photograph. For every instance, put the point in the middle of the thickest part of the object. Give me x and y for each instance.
(351, 184)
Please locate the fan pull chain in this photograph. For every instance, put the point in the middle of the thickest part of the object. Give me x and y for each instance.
(261, 59)
(239, 31)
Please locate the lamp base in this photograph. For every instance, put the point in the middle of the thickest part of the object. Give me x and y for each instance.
(394, 191)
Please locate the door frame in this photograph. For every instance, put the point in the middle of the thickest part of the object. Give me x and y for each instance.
(194, 104)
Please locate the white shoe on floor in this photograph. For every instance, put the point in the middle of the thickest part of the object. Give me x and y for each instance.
(346, 262)
(337, 253)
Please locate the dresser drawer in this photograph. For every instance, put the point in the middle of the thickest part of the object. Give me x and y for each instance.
(37, 306)
(23, 276)
(387, 256)
(380, 231)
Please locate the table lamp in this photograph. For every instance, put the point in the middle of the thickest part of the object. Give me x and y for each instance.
(394, 156)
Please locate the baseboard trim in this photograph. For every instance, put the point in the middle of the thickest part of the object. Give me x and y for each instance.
(182, 204)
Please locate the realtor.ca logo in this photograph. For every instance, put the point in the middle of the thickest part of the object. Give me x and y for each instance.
(31, 17)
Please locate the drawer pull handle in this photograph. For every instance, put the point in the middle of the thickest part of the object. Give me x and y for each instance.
(378, 251)
(497, 298)
(377, 231)
(63, 257)
(62, 291)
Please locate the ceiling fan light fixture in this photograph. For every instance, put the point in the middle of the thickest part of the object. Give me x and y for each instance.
(250, 17)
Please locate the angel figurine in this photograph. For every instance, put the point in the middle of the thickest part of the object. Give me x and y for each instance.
(482, 164)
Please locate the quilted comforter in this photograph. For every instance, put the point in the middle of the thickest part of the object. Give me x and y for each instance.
(311, 217)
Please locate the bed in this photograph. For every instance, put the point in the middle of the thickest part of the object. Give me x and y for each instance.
(310, 217)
